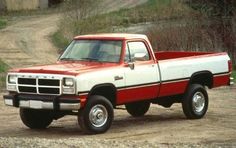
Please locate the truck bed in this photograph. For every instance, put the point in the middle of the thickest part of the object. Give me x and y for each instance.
(177, 68)
(165, 55)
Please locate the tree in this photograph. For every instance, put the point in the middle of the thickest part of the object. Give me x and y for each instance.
(78, 10)
(222, 16)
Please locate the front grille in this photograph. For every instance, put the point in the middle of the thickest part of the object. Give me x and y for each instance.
(48, 82)
(39, 86)
(27, 89)
(27, 81)
(49, 90)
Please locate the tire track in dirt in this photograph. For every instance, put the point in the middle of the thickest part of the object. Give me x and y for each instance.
(26, 42)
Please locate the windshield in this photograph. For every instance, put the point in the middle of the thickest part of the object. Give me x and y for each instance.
(93, 50)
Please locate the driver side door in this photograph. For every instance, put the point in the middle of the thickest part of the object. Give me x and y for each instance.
(142, 80)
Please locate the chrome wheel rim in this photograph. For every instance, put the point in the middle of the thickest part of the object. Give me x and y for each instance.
(198, 102)
(98, 115)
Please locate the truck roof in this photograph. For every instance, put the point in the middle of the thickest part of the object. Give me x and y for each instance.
(112, 36)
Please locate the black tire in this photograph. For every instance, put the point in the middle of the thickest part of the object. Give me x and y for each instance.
(36, 119)
(89, 119)
(137, 109)
(195, 102)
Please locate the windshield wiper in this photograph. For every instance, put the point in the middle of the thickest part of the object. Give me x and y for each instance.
(67, 59)
(90, 59)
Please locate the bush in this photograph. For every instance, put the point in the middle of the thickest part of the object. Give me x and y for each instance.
(190, 34)
(3, 23)
(88, 16)
(3, 70)
(59, 40)
(234, 75)
(3, 67)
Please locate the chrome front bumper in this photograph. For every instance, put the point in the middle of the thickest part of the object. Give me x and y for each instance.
(53, 104)
(231, 81)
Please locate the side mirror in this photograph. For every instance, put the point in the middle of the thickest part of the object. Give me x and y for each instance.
(140, 56)
(131, 65)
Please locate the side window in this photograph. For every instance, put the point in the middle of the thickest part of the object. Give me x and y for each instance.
(138, 47)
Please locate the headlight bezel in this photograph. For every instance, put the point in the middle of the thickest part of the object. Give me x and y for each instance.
(11, 82)
(12, 79)
(68, 85)
(68, 82)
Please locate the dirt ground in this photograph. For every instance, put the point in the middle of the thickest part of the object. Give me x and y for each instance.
(26, 42)
(165, 127)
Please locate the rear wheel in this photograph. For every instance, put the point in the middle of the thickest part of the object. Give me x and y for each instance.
(137, 109)
(36, 119)
(97, 116)
(195, 102)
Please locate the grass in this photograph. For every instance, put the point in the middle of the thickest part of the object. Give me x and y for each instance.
(3, 23)
(234, 73)
(151, 11)
(59, 40)
(3, 69)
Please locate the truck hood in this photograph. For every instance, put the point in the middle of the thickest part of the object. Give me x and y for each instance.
(66, 68)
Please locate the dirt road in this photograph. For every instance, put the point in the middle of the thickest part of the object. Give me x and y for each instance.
(160, 127)
(26, 41)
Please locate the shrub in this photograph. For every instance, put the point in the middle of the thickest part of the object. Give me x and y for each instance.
(3, 67)
(88, 16)
(3, 23)
(3, 70)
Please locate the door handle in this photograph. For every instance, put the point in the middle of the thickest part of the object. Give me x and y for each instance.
(118, 78)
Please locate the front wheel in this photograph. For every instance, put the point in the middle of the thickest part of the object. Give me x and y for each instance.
(36, 119)
(195, 102)
(97, 116)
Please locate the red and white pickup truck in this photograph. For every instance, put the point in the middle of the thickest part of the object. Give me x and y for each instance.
(97, 73)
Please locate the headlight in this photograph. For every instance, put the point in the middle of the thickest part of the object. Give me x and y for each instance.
(12, 79)
(68, 82)
(68, 86)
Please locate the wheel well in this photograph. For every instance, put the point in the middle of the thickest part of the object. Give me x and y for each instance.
(204, 78)
(106, 90)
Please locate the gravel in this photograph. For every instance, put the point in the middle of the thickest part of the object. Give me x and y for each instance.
(12, 142)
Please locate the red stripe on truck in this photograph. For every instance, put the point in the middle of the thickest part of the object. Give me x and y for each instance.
(137, 93)
(221, 80)
(173, 88)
